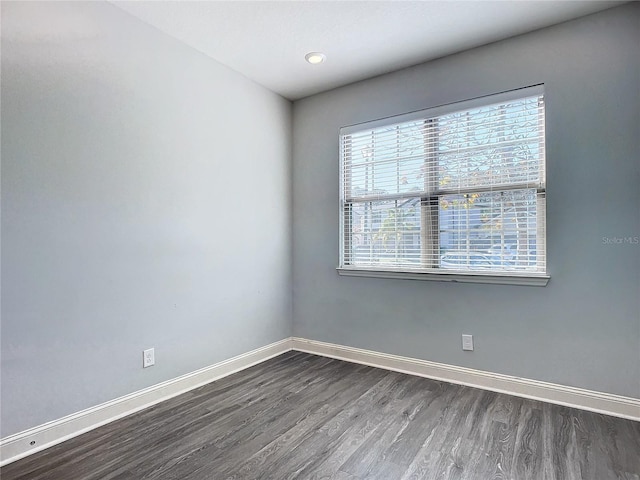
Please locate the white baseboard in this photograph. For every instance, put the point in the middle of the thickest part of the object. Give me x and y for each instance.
(615, 405)
(20, 445)
(30, 441)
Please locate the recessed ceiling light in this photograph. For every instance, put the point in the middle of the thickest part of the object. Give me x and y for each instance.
(315, 58)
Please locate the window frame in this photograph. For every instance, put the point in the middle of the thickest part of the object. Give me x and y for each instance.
(430, 237)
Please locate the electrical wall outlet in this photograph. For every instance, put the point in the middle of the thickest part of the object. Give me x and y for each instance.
(148, 358)
(467, 342)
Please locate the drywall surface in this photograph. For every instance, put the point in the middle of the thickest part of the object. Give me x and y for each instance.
(583, 329)
(146, 202)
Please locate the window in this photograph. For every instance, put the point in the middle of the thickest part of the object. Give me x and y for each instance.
(457, 191)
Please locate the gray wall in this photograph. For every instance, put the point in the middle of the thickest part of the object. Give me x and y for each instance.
(583, 329)
(146, 202)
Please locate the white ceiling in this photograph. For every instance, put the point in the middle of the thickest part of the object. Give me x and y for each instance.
(267, 40)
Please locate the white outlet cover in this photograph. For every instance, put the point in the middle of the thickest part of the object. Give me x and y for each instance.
(148, 358)
(467, 342)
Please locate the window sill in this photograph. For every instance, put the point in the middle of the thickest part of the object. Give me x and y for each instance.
(501, 279)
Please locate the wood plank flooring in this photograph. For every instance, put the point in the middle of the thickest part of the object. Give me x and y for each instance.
(300, 416)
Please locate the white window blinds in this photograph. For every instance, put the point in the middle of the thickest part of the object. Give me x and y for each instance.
(459, 188)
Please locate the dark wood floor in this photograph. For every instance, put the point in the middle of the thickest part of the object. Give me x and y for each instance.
(308, 417)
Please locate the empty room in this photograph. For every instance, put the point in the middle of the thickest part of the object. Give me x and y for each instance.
(337, 240)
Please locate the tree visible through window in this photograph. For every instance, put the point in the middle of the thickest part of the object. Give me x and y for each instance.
(459, 188)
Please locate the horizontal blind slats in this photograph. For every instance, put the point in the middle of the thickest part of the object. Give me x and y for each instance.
(463, 190)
